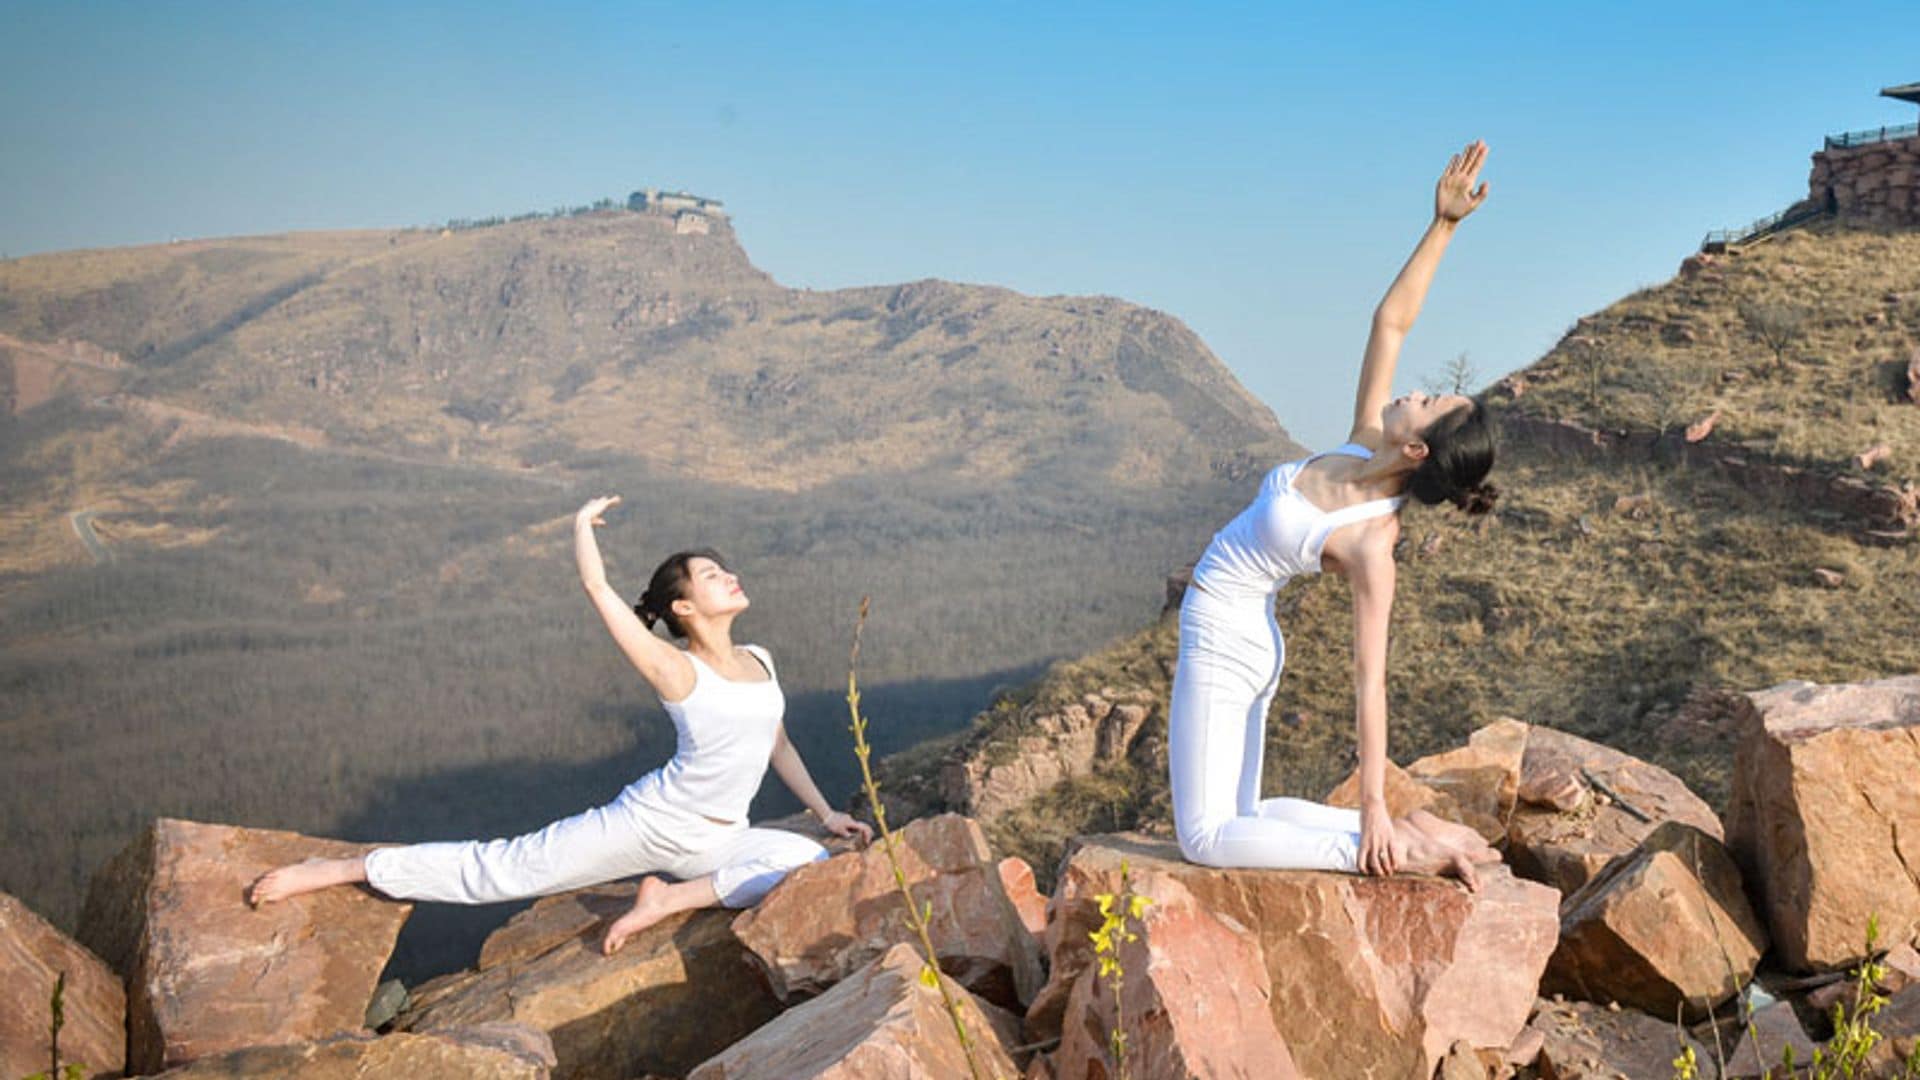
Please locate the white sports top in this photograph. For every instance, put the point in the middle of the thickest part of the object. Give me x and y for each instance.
(726, 730)
(1281, 535)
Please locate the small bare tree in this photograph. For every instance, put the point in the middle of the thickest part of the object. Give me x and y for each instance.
(1458, 377)
(1778, 326)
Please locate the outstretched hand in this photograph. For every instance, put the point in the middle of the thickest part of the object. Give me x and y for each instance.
(590, 513)
(840, 823)
(1454, 197)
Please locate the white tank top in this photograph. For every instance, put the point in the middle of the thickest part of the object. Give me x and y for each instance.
(726, 730)
(1281, 535)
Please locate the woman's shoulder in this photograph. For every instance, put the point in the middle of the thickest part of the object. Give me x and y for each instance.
(760, 653)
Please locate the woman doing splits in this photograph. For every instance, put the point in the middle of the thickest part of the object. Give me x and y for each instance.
(686, 819)
(1338, 511)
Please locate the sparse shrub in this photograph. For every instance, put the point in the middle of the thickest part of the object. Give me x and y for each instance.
(1778, 326)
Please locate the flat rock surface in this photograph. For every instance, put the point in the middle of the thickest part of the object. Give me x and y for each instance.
(1190, 1001)
(483, 1052)
(33, 953)
(675, 994)
(1366, 977)
(205, 973)
(1584, 1041)
(879, 1023)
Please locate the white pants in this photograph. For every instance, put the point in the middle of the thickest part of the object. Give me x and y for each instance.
(1231, 653)
(637, 833)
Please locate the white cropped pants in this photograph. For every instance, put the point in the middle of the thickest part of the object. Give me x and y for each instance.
(639, 832)
(1231, 653)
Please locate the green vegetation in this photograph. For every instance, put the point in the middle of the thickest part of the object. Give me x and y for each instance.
(1117, 910)
(57, 1007)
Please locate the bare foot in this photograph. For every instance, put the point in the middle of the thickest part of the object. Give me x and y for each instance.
(303, 877)
(648, 908)
(1426, 855)
(1466, 840)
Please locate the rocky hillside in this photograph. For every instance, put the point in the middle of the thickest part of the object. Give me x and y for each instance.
(284, 520)
(1683, 515)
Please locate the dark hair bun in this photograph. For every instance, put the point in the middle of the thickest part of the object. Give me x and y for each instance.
(1478, 499)
(648, 609)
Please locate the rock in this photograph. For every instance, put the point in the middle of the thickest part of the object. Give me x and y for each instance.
(1872, 456)
(1583, 1041)
(482, 1052)
(882, 1021)
(33, 953)
(1404, 795)
(1701, 428)
(1634, 506)
(1832, 579)
(1482, 777)
(388, 999)
(1528, 787)
(1565, 849)
(1057, 745)
(674, 995)
(1913, 377)
(204, 972)
(1776, 1028)
(1821, 815)
(829, 919)
(1898, 1022)
(1526, 1048)
(1662, 927)
(1368, 977)
(1192, 1001)
(1016, 877)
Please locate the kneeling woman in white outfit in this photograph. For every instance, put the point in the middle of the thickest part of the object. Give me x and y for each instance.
(1336, 511)
(686, 819)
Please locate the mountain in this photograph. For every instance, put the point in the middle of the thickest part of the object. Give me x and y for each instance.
(1683, 514)
(284, 520)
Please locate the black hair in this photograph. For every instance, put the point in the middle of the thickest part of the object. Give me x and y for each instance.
(669, 583)
(1459, 457)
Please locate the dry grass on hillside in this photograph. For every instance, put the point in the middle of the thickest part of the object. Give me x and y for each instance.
(1560, 611)
(1847, 304)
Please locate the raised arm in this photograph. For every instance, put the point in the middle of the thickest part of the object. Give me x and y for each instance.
(664, 667)
(1454, 197)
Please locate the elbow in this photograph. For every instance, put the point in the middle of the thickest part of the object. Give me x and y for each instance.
(1391, 320)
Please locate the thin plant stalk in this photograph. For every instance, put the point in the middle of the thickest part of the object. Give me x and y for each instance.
(917, 916)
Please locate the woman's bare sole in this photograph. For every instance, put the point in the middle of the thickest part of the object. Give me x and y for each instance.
(1466, 840)
(304, 877)
(649, 907)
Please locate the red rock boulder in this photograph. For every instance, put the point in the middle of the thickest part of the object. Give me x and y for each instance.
(829, 919)
(674, 995)
(883, 1021)
(32, 955)
(1192, 1002)
(485, 1052)
(1365, 977)
(1825, 815)
(1664, 927)
(204, 972)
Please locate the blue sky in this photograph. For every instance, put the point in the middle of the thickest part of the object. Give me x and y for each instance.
(1258, 171)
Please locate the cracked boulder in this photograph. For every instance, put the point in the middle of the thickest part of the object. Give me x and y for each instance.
(1825, 815)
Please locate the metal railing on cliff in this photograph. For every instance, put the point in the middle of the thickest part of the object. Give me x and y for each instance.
(1797, 214)
(1870, 136)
